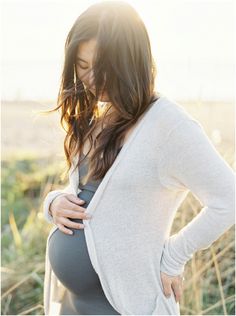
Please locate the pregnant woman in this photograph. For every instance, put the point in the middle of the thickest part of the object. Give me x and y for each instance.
(133, 155)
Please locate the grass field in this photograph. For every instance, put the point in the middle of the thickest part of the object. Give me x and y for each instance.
(32, 161)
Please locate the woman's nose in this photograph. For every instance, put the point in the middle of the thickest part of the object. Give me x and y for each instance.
(91, 78)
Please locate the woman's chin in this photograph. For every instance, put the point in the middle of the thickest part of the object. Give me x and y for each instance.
(103, 99)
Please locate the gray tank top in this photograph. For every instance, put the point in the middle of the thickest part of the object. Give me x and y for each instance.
(71, 264)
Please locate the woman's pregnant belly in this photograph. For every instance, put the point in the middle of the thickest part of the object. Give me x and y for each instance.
(70, 260)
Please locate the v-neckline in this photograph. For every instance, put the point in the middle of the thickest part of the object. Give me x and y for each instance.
(140, 123)
(133, 128)
(129, 139)
(94, 202)
(83, 155)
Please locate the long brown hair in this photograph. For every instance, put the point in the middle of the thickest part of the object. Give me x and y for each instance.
(123, 67)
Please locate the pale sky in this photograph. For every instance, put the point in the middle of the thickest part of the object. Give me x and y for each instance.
(192, 42)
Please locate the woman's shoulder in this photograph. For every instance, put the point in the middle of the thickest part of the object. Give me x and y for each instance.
(168, 113)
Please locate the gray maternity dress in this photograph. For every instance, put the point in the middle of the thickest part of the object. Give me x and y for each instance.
(71, 264)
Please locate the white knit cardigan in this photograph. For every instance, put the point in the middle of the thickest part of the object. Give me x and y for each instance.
(167, 155)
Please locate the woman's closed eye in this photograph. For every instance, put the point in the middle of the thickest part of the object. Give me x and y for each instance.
(82, 67)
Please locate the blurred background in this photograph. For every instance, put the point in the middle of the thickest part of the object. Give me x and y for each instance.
(194, 49)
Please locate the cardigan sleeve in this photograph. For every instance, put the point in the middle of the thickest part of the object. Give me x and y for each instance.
(55, 193)
(190, 161)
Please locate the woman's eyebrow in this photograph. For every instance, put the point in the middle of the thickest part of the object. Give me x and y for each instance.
(80, 59)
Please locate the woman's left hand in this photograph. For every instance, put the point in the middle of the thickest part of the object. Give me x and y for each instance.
(174, 283)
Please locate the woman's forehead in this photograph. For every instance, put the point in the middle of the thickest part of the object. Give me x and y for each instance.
(86, 50)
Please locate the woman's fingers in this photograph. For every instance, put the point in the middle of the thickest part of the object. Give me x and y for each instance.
(177, 288)
(64, 229)
(73, 207)
(172, 283)
(72, 198)
(66, 222)
(79, 214)
(166, 282)
(71, 224)
(68, 207)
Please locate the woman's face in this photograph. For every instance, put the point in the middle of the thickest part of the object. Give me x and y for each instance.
(84, 67)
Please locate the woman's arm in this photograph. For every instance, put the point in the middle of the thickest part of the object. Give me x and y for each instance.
(189, 160)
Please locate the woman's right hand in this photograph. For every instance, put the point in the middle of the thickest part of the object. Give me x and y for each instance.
(64, 206)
